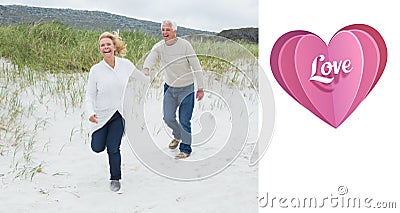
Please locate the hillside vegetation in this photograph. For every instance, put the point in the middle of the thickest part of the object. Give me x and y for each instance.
(249, 34)
(83, 19)
(55, 47)
(52, 46)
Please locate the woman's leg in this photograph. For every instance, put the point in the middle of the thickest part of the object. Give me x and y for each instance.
(115, 133)
(99, 138)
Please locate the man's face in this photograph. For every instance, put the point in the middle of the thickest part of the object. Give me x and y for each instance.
(167, 32)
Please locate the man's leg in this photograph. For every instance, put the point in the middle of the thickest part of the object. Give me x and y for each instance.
(186, 98)
(170, 104)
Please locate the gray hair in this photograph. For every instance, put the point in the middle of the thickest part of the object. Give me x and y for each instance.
(172, 23)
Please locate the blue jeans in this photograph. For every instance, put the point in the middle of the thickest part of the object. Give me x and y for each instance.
(184, 98)
(109, 136)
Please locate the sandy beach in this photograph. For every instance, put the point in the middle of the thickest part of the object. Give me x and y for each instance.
(63, 174)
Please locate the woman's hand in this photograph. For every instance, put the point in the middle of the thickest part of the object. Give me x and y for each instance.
(93, 119)
(146, 71)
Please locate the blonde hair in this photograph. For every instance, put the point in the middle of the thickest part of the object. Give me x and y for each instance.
(117, 41)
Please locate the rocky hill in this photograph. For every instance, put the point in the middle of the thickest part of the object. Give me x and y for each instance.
(103, 21)
(243, 34)
(82, 19)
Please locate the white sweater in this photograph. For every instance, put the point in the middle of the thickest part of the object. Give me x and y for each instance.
(105, 89)
(178, 61)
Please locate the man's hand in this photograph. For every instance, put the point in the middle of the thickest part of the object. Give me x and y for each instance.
(146, 71)
(199, 94)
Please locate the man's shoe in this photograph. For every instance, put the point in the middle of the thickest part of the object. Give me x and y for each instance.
(174, 143)
(115, 185)
(182, 155)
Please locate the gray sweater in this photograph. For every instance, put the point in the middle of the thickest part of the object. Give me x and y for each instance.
(179, 63)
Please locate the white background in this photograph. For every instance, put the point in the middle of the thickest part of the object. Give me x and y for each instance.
(309, 158)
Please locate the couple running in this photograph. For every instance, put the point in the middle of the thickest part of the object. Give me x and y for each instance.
(109, 78)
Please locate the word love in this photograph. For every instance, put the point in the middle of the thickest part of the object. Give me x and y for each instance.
(327, 67)
(349, 67)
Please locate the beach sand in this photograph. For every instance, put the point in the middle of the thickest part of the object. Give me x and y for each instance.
(75, 179)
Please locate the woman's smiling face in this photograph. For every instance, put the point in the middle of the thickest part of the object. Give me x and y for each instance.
(107, 47)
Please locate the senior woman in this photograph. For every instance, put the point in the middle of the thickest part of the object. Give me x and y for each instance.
(104, 99)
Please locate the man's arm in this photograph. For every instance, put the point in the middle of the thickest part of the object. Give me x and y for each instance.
(150, 60)
(199, 94)
(198, 72)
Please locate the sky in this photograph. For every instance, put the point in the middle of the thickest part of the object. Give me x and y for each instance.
(209, 15)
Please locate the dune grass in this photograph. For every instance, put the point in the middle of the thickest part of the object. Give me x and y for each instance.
(54, 47)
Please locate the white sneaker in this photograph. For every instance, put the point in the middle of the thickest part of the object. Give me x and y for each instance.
(115, 185)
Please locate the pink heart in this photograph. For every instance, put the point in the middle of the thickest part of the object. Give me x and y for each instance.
(292, 84)
(276, 51)
(356, 56)
(377, 38)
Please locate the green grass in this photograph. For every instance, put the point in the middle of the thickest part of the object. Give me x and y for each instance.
(54, 47)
